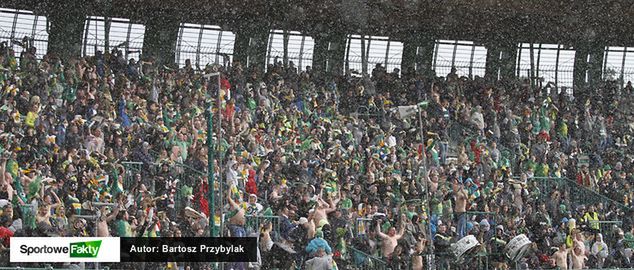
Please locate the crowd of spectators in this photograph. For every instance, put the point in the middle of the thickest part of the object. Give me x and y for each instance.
(329, 154)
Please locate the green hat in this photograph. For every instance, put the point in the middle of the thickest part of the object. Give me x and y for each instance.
(562, 208)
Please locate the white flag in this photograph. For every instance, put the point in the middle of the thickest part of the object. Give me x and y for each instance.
(407, 111)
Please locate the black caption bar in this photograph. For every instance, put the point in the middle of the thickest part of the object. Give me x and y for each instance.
(189, 249)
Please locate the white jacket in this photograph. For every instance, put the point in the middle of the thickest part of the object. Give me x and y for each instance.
(600, 249)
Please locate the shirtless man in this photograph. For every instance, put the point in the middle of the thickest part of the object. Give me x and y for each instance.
(323, 209)
(460, 196)
(5, 179)
(266, 243)
(390, 240)
(43, 215)
(578, 241)
(417, 257)
(561, 257)
(236, 219)
(578, 258)
(236, 226)
(310, 225)
(102, 222)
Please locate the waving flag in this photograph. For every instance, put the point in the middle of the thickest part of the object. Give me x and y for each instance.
(407, 111)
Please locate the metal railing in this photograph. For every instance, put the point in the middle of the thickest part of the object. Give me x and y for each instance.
(28, 216)
(463, 133)
(366, 112)
(254, 223)
(362, 260)
(578, 194)
(131, 169)
(607, 227)
(187, 176)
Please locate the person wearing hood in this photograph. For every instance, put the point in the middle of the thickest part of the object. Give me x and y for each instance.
(599, 251)
(498, 243)
(232, 175)
(253, 207)
(321, 254)
(485, 228)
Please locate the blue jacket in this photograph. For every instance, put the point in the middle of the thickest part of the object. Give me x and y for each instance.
(316, 244)
(123, 116)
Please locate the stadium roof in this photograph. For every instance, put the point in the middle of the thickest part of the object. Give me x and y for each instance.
(547, 21)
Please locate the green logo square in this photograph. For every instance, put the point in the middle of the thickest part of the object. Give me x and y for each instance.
(85, 249)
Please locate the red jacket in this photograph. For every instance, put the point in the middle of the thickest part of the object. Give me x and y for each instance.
(251, 186)
(201, 198)
(224, 83)
(5, 236)
(583, 179)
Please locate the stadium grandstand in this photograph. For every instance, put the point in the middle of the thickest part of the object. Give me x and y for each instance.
(340, 134)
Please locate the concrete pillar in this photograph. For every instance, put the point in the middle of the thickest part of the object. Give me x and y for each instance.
(320, 52)
(492, 67)
(408, 61)
(161, 34)
(425, 55)
(508, 61)
(418, 53)
(329, 53)
(66, 19)
(241, 48)
(251, 44)
(587, 71)
(595, 65)
(501, 57)
(581, 90)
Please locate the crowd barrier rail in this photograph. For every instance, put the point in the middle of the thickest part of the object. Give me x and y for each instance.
(578, 194)
(362, 260)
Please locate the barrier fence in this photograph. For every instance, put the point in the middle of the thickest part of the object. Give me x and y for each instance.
(189, 178)
(28, 215)
(463, 133)
(362, 260)
(254, 223)
(578, 194)
(131, 169)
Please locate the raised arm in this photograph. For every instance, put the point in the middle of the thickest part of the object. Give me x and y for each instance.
(401, 231)
(3, 164)
(194, 134)
(332, 206)
(338, 199)
(113, 215)
(233, 204)
(57, 200)
(378, 231)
